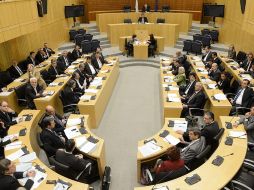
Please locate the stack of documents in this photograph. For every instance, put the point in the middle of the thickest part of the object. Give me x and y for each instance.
(180, 125)
(28, 157)
(72, 132)
(213, 86)
(220, 96)
(74, 122)
(9, 137)
(172, 140)
(173, 88)
(196, 58)
(13, 145)
(91, 90)
(104, 71)
(238, 134)
(173, 98)
(15, 155)
(206, 80)
(86, 97)
(96, 82)
(53, 84)
(22, 167)
(149, 148)
(84, 145)
(5, 93)
(72, 67)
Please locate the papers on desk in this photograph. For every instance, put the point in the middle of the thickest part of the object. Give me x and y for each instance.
(91, 90)
(5, 93)
(220, 96)
(201, 69)
(22, 167)
(173, 98)
(165, 59)
(172, 95)
(212, 86)
(199, 63)
(104, 71)
(53, 84)
(28, 158)
(70, 70)
(180, 125)
(84, 145)
(15, 155)
(111, 63)
(166, 67)
(9, 137)
(61, 186)
(238, 134)
(149, 148)
(49, 93)
(13, 145)
(246, 76)
(72, 132)
(173, 88)
(164, 85)
(86, 97)
(73, 122)
(168, 77)
(96, 82)
(196, 58)
(205, 80)
(161, 188)
(72, 67)
(172, 140)
(18, 80)
(204, 72)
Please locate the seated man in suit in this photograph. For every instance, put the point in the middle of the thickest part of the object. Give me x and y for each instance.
(7, 115)
(250, 72)
(224, 83)
(142, 19)
(9, 177)
(214, 72)
(69, 95)
(188, 90)
(208, 55)
(50, 139)
(80, 168)
(196, 100)
(33, 90)
(53, 71)
(31, 59)
(15, 71)
(83, 77)
(247, 63)
(175, 66)
(146, 8)
(60, 122)
(76, 53)
(63, 62)
(196, 145)
(41, 56)
(48, 50)
(4, 143)
(89, 69)
(243, 97)
(97, 61)
(248, 122)
(80, 84)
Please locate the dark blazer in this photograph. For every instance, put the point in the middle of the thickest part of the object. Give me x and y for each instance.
(69, 96)
(59, 125)
(29, 61)
(14, 72)
(210, 131)
(76, 165)
(95, 63)
(250, 73)
(62, 65)
(247, 97)
(51, 142)
(196, 101)
(209, 57)
(214, 75)
(12, 183)
(39, 57)
(76, 54)
(48, 51)
(3, 130)
(77, 89)
(140, 19)
(31, 95)
(245, 64)
(191, 89)
(53, 72)
(88, 71)
(224, 85)
(7, 118)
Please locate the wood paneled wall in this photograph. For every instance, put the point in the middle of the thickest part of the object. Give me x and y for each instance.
(237, 28)
(105, 5)
(22, 31)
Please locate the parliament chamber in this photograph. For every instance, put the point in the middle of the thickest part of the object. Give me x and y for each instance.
(132, 94)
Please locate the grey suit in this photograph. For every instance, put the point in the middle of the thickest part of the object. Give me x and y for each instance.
(193, 149)
(248, 123)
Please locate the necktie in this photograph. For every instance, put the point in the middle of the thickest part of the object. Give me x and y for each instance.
(8, 117)
(192, 96)
(249, 65)
(66, 61)
(56, 71)
(19, 71)
(187, 88)
(237, 95)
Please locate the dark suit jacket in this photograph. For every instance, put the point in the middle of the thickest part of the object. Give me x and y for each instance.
(79, 91)
(31, 95)
(76, 165)
(59, 125)
(250, 73)
(245, 64)
(209, 57)
(61, 64)
(49, 51)
(197, 101)
(76, 54)
(247, 97)
(51, 142)
(7, 118)
(52, 73)
(69, 96)
(224, 86)
(14, 72)
(11, 183)
(146, 9)
(191, 89)
(39, 57)
(210, 131)
(140, 19)
(95, 63)
(29, 61)
(214, 75)
(88, 71)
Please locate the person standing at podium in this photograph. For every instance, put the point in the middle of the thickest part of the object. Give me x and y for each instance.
(142, 19)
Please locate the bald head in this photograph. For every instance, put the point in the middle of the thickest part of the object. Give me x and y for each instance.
(50, 110)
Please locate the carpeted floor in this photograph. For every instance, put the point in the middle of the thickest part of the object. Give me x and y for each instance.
(133, 113)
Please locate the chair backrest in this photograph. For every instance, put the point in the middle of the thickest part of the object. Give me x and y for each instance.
(198, 37)
(59, 167)
(95, 44)
(82, 31)
(196, 47)
(88, 37)
(204, 153)
(214, 34)
(160, 20)
(241, 56)
(165, 8)
(205, 31)
(20, 91)
(72, 34)
(86, 47)
(219, 135)
(5, 78)
(206, 40)
(127, 20)
(40, 143)
(126, 8)
(166, 176)
(187, 44)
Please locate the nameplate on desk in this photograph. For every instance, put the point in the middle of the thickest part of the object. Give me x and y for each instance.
(193, 179)
(28, 117)
(22, 132)
(164, 134)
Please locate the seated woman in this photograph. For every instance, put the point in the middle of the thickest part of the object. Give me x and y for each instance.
(231, 52)
(152, 45)
(130, 43)
(180, 78)
(224, 83)
(32, 73)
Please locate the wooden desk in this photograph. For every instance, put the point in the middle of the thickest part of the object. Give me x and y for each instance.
(140, 51)
(95, 108)
(11, 97)
(160, 43)
(213, 177)
(184, 20)
(170, 32)
(171, 109)
(30, 141)
(219, 108)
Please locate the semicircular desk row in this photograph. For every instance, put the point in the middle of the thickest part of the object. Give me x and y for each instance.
(30, 142)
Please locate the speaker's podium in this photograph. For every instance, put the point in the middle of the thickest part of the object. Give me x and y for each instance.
(140, 48)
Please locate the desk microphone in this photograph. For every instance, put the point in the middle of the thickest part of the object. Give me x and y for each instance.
(228, 155)
(229, 124)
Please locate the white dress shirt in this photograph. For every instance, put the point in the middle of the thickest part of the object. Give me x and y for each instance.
(92, 68)
(240, 98)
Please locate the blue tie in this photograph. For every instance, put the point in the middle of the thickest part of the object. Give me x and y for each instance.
(237, 95)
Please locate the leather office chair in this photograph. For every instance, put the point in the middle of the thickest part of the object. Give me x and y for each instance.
(78, 39)
(88, 37)
(82, 31)
(160, 20)
(21, 96)
(40, 143)
(72, 34)
(67, 108)
(126, 8)
(205, 32)
(46, 77)
(59, 167)
(196, 47)
(127, 21)
(94, 45)
(215, 35)
(206, 40)
(187, 46)
(197, 37)
(165, 8)
(241, 56)
(86, 46)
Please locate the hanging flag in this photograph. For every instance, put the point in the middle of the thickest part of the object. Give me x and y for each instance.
(136, 6)
(156, 7)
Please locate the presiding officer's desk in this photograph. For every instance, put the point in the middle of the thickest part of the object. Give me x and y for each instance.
(169, 31)
(30, 141)
(11, 97)
(184, 20)
(218, 107)
(171, 109)
(213, 177)
(95, 107)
